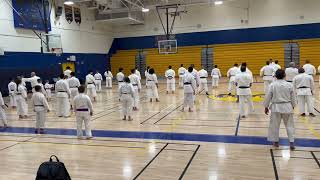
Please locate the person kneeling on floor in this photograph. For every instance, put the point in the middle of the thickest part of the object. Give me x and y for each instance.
(40, 107)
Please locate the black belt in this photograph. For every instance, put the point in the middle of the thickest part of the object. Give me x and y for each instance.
(150, 80)
(124, 93)
(169, 77)
(134, 84)
(181, 74)
(310, 74)
(39, 105)
(84, 109)
(11, 90)
(120, 81)
(289, 81)
(281, 102)
(303, 87)
(63, 91)
(18, 93)
(244, 87)
(186, 83)
(90, 83)
(267, 75)
(203, 77)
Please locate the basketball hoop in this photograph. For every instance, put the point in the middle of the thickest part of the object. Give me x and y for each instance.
(57, 51)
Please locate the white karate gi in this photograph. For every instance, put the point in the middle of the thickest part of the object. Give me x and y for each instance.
(291, 73)
(146, 72)
(98, 80)
(33, 80)
(82, 106)
(310, 69)
(319, 73)
(232, 72)
(120, 76)
(12, 86)
(67, 73)
(189, 88)
(267, 73)
(3, 116)
(135, 81)
(243, 81)
(138, 74)
(171, 81)
(21, 96)
(152, 89)
(91, 88)
(275, 66)
(303, 85)
(40, 107)
(74, 83)
(216, 75)
(48, 87)
(182, 71)
(43, 91)
(281, 101)
(63, 93)
(203, 75)
(109, 77)
(126, 93)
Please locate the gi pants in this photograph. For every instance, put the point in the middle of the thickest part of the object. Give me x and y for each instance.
(274, 126)
(152, 90)
(171, 86)
(40, 117)
(98, 85)
(83, 117)
(215, 81)
(188, 100)
(302, 101)
(243, 100)
(127, 103)
(203, 85)
(63, 104)
(3, 116)
(108, 82)
(22, 106)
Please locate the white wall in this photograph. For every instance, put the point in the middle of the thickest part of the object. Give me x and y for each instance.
(259, 13)
(89, 37)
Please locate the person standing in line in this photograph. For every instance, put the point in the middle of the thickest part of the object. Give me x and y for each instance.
(98, 81)
(62, 91)
(276, 65)
(126, 92)
(267, 73)
(120, 76)
(216, 75)
(91, 88)
(203, 75)
(48, 87)
(84, 110)
(171, 81)
(135, 81)
(243, 81)
(231, 74)
(109, 77)
(152, 85)
(291, 72)
(189, 88)
(40, 107)
(138, 73)
(67, 72)
(281, 101)
(303, 86)
(74, 84)
(21, 98)
(309, 68)
(43, 91)
(3, 116)
(319, 73)
(182, 71)
(12, 86)
(146, 72)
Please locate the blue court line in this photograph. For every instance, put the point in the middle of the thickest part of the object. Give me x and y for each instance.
(258, 140)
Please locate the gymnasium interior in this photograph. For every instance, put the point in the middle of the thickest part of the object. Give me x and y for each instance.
(213, 142)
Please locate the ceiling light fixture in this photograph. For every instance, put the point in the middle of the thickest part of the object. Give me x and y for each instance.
(145, 10)
(218, 2)
(68, 2)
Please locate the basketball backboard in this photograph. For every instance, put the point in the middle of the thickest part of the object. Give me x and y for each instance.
(168, 46)
(51, 43)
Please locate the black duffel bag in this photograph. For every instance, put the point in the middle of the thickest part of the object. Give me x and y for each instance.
(52, 170)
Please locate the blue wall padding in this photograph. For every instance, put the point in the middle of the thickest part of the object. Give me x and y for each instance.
(290, 32)
(46, 65)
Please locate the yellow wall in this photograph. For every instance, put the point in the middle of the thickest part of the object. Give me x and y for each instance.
(124, 59)
(185, 55)
(255, 54)
(310, 50)
(70, 64)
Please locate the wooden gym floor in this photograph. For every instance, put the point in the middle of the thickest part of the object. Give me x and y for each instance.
(164, 143)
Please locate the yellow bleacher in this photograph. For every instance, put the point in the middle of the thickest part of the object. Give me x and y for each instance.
(310, 50)
(124, 59)
(255, 54)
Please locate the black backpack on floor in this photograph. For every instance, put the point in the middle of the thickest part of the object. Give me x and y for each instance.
(52, 170)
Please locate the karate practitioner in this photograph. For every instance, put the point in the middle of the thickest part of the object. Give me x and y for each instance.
(67, 72)
(189, 88)
(195, 75)
(152, 85)
(171, 81)
(267, 73)
(291, 72)
(303, 85)
(62, 91)
(182, 71)
(216, 75)
(231, 74)
(84, 110)
(91, 88)
(109, 77)
(74, 84)
(33, 80)
(135, 81)
(40, 107)
(3, 116)
(281, 101)
(203, 75)
(276, 66)
(12, 86)
(126, 92)
(309, 68)
(48, 87)
(43, 91)
(138, 73)
(120, 76)
(98, 81)
(243, 81)
(319, 73)
(146, 72)
(21, 98)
